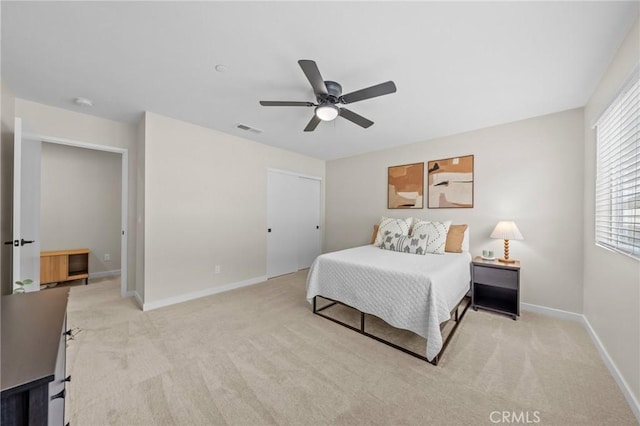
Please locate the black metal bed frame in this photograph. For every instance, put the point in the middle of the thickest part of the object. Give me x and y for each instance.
(361, 330)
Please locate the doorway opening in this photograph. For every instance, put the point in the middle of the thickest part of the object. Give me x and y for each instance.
(124, 188)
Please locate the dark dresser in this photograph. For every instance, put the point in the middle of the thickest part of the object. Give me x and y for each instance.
(33, 357)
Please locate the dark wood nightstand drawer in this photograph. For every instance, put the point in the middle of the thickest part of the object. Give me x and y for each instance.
(505, 278)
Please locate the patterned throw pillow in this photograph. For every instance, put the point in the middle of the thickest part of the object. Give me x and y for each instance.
(392, 226)
(416, 244)
(436, 234)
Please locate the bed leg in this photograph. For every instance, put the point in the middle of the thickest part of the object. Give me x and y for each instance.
(362, 321)
(314, 304)
(457, 319)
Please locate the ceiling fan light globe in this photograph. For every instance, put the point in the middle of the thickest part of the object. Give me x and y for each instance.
(326, 112)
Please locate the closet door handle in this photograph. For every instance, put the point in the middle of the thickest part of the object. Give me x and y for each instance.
(60, 394)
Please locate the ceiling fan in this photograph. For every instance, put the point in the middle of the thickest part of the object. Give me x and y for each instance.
(329, 96)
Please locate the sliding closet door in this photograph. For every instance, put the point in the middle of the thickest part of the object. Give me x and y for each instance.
(282, 220)
(309, 221)
(293, 222)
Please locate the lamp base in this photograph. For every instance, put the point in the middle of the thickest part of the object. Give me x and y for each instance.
(506, 260)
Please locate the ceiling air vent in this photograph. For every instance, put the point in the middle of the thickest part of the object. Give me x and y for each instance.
(248, 129)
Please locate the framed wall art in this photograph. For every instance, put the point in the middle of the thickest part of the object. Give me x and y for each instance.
(406, 186)
(450, 183)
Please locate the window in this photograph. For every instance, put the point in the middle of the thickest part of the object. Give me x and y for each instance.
(617, 197)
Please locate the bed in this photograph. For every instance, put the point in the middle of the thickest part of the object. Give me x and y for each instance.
(408, 291)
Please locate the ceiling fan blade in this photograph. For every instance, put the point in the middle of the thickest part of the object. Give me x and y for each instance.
(286, 103)
(355, 118)
(312, 72)
(369, 92)
(312, 124)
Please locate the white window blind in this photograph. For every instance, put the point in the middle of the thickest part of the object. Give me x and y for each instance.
(617, 197)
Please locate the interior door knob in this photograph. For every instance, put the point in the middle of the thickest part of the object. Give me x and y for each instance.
(23, 241)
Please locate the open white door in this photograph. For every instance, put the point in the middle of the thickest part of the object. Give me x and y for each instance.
(26, 208)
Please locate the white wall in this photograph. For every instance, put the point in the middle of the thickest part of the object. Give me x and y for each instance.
(528, 171)
(57, 122)
(611, 280)
(81, 203)
(205, 204)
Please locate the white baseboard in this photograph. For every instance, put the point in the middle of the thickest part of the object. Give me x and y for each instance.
(104, 274)
(139, 299)
(611, 366)
(136, 296)
(552, 312)
(613, 369)
(202, 293)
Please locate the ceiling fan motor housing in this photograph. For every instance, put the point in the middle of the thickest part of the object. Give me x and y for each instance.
(334, 91)
(329, 96)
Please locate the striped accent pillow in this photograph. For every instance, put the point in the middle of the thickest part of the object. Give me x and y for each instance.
(436, 233)
(416, 244)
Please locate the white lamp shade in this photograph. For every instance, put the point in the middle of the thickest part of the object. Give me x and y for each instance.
(507, 230)
(327, 112)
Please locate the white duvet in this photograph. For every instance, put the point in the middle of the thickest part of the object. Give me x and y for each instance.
(409, 291)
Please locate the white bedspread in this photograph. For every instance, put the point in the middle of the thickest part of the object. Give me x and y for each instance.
(409, 291)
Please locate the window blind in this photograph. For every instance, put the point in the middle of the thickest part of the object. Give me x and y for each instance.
(617, 192)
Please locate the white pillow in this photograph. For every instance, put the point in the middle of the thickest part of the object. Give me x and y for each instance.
(391, 226)
(436, 233)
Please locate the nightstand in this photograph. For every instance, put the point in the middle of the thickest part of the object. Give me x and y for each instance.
(495, 286)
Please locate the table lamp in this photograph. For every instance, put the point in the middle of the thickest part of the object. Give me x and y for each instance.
(506, 230)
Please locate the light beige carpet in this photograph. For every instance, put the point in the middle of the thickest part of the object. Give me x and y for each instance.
(258, 355)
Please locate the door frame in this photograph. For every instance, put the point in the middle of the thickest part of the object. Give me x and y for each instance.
(17, 251)
(288, 172)
(124, 204)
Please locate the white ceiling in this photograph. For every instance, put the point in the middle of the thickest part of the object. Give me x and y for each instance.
(458, 66)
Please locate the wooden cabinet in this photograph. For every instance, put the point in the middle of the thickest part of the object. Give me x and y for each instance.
(64, 265)
(495, 286)
(34, 358)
